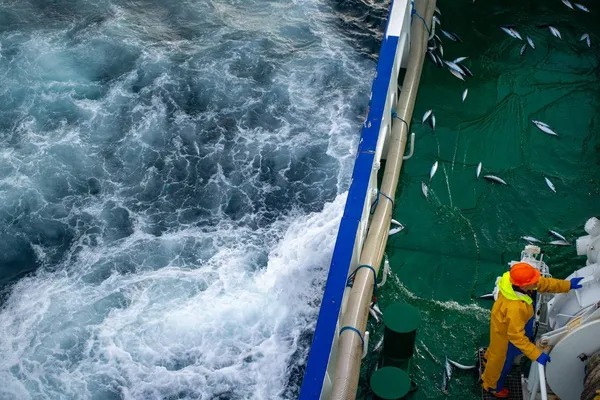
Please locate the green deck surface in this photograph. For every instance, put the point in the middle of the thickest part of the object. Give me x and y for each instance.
(462, 237)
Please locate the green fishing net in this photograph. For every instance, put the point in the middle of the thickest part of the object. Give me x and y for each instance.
(461, 237)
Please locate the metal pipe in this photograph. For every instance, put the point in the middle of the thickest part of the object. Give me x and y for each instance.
(536, 385)
(412, 147)
(347, 367)
(542, 374)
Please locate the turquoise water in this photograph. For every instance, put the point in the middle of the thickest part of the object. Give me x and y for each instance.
(461, 238)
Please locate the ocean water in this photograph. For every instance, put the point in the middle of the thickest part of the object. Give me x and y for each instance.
(172, 175)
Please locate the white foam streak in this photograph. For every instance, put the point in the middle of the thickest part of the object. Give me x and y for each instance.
(147, 301)
(221, 327)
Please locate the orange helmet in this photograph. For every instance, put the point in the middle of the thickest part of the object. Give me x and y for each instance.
(523, 274)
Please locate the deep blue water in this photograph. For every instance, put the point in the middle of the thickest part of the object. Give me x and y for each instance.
(171, 179)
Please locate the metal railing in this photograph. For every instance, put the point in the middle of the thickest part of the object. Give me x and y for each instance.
(322, 365)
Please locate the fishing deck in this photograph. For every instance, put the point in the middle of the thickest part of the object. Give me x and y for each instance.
(513, 382)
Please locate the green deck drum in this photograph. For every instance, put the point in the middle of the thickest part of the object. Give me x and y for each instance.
(390, 383)
(401, 322)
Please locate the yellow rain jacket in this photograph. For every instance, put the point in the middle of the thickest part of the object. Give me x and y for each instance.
(510, 314)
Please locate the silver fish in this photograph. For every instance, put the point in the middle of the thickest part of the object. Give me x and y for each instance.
(440, 61)
(560, 243)
(432, 121)
(523, 49)
(393, 221)
(568, 4)
(509, 32)
(456, 74)
(464, 95)
(516, 34)
(546, 129)
(461, 366)
(530, 41)
(452, 36)
(445, 382)
(494, 178)
(378, 345)
(479, 166)
(376, 308)
(437, 10)
(555, 32)
(393, 231)
(582, 8)
(550, 185)
(465, 69)
(454, 67)
(432, 57)
(374, 315)
(459, 59)
(447, 373)
(586, 37)
(539, 123)
(437, 20)
(426, 115)
(530, 239)
(558, 235)
(425, 189)
(433, 169)
(441, 49)
(488, 296)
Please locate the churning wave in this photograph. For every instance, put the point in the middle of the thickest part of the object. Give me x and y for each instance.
(174, 173)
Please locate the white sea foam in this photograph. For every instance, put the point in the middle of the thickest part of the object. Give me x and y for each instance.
(178, 190)
(217, 329)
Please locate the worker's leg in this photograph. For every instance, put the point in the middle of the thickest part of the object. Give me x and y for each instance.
(495, 355)
(511, 353)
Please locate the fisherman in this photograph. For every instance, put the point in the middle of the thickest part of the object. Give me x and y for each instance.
(511, 322)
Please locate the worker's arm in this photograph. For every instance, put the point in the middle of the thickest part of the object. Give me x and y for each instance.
(517, 318)
(553, 285)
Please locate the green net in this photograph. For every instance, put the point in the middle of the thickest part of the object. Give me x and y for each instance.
(456, 242)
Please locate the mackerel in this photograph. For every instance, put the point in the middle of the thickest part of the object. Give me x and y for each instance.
(434, 168)
(454, 67)
(465, 69)
(555, 32)
(586, 37)
(509, 32)
(494, 178)
(456, 74)
(461, 366)
(550, 185)
(426, 115)
(558, 235)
